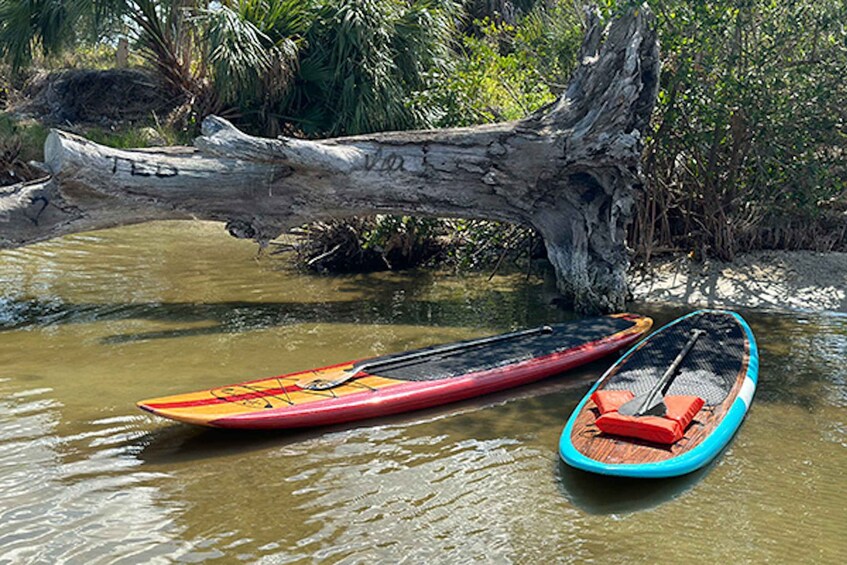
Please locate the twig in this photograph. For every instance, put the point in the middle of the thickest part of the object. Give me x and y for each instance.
(323, 256)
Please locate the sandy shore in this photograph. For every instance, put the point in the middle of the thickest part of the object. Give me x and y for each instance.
(780, 280)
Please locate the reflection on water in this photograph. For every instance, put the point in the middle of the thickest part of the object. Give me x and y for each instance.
(598, 494)
(90, 324)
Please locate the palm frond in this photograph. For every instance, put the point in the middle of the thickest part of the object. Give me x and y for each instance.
(253, 54)
(364, 59)
(44, 25)
(163, 32)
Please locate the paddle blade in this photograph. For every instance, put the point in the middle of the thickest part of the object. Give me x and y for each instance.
(651, 403)
(643, 405)
(316, 384)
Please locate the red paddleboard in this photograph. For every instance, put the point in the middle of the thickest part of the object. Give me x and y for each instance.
(405, 381)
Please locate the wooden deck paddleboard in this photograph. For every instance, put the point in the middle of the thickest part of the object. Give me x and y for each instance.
(405, 381)
(720, 367)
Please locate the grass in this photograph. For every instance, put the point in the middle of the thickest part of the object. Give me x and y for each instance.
(30, 133)
(22, 141)
(99, 57)
(136, 135)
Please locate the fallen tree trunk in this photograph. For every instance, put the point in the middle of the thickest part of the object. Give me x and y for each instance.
(569, 170)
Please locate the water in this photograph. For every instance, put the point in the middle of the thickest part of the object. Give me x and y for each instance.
(90, 324)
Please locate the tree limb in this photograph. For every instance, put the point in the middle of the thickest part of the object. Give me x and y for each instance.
(570, 170)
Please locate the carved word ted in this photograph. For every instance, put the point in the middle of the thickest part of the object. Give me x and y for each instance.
(144, 169)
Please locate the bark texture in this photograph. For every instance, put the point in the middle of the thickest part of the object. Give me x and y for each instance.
(570, 170)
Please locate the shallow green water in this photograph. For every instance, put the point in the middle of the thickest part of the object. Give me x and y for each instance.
(90, 324)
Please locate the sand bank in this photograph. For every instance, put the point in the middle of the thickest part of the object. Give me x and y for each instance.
(781, 280)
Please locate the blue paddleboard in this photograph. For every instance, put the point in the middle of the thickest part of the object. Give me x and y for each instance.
(720, 366)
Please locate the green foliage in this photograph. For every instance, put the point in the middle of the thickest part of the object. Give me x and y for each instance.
(136, 136)
(97, 56)
(749, 129)
(551, 36)
(50, 26)
(45, 25)
(28, 135)
(482, 244)
(253, 52)
(363, 61)
(5, 86)
(163, 32)
(404, 241)
(487, 85)
(20, 142)
(749, 133)
(505, 71)
(370, 243)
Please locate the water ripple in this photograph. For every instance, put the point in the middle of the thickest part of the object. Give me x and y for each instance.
(91, 323)
(100, 508)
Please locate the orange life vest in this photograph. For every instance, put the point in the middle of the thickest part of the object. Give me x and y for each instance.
(667, 429)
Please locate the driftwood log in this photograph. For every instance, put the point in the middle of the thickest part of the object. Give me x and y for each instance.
(569, 170)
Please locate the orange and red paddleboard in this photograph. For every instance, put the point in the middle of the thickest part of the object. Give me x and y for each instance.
(404, 381)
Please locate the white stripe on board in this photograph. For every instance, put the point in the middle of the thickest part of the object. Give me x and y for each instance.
(747, 390)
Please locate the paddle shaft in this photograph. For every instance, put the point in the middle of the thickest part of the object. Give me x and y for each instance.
(645, 404)
(320, 384)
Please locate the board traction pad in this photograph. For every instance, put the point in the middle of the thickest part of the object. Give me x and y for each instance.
(564, 336)
(709, 370)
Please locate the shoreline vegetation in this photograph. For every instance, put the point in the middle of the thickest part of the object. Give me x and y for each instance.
(745, 160)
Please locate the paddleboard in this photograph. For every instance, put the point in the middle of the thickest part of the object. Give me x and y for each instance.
(404, 381)
(713, 386)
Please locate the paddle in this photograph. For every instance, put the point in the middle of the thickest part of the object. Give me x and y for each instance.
(324, 384)
(651, 403)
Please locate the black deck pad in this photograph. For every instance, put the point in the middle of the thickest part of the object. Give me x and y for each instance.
(709, 370)
(564, 336)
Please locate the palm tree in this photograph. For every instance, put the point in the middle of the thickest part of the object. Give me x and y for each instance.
(364, 59)
(252, 48)
(43, 24)
(326, 66)
(160, 28)
(234, 51)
